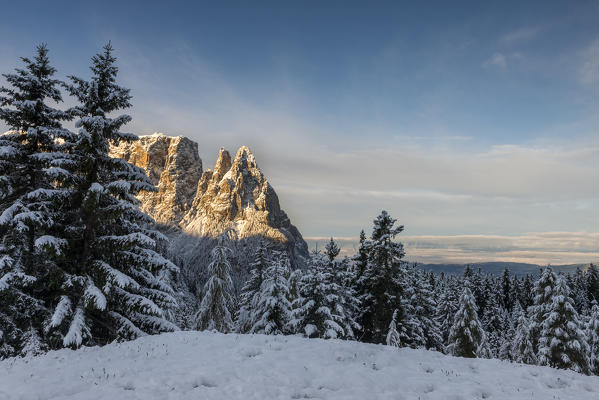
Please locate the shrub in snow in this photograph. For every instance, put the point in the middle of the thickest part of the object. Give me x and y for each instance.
(393, 338)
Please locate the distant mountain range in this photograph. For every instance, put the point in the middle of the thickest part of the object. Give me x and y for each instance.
(497, 268)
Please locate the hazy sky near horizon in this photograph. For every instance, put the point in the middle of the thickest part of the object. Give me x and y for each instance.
(463, 118)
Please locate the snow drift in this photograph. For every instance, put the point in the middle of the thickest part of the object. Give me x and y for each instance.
(202, 365)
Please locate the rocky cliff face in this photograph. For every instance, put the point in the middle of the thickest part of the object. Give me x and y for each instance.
(173, 165)
(235, 195)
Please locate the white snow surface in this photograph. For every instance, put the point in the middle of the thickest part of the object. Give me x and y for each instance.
(204, 365)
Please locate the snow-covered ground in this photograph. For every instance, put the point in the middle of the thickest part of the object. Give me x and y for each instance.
(201, 365)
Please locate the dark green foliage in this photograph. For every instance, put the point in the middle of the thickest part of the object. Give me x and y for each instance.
(32, 192)
(381, 284)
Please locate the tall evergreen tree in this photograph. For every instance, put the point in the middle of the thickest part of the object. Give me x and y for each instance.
(543, 291)
(592, 284)
(344, 303)
(115, 283)
(421, 310)
(447, 306)
(250, 293)
(214, 312)
(592, 333)
(562, 343)
(467, 337)
(506, 288)
(522, 350)
(273, 309)
(526, 294)
(493, 322)
(314, 312)
(381, 284)
(32, 180)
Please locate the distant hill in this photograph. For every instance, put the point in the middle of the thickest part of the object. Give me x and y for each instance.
(497, 267)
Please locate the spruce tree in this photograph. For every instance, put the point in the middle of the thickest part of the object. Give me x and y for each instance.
(273, 309)
(381, 284)
(592, 331)
(527, 293)
(508, 329)
(361, 258)
(115, 284)
(562, 342)
(522, 350)
(343, 303)
(214, 312)
(33, 187)
(420, 308)
(393, 337)
(312, 314)
(580, 292)
(543, 291)
(447, 306)
(506, 289)
(467, 337)
(250, 293)
(493, 324)
(592, 284)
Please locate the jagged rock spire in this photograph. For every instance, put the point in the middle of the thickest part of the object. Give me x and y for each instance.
(235, 195)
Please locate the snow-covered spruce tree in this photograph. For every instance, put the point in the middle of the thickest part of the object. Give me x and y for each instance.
(250, 293)
(506, 289)
(32, 192)
(509, 330)
(543, 291)
(115, 285)
(592, 284)
(360, 260)
(312, 315)
(410, 325)
(214, 312)
(580, 292)
(522, 350)
(273, 309)
(592, 331)
(344, 304)
(393, 338)
(467, 337)
(447, 306)
(423, 308)
(562, 342)
(493, 324)
(381, 283)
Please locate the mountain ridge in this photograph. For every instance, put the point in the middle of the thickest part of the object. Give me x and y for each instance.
(235, 195)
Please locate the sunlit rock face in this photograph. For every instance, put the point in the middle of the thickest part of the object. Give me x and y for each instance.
(173, 165)
(235, 195)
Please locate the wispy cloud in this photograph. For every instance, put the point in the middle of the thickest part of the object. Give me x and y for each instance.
(536, 248)
(520, 35)
(589, 70)
(496, 60)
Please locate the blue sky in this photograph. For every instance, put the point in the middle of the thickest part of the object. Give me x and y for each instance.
(461, 118)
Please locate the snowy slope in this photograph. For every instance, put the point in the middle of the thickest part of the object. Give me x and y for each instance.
(199, 365)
